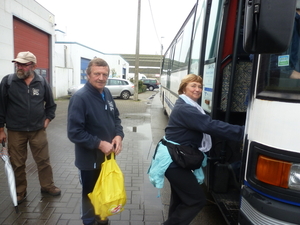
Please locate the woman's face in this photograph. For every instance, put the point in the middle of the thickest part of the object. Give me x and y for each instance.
(193, 90)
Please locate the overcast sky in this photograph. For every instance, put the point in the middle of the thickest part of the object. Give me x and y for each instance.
(110, 26)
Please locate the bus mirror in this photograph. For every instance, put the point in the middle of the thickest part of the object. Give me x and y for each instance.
(268, 25)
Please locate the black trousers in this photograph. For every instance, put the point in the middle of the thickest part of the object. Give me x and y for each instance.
(187, 196)
(88, 179)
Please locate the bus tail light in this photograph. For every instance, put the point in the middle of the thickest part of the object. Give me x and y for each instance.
(273, 171)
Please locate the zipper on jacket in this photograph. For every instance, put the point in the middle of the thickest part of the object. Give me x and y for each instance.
(28, 103)
(103, 98)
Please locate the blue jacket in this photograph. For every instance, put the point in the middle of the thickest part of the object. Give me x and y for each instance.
(161, 162)
(90, 120)
(186, 126)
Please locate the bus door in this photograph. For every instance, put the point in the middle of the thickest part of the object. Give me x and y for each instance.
(226, 83)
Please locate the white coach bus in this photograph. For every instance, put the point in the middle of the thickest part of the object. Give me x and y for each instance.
(247, 52)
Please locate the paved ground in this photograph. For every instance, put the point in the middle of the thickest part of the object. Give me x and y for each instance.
(143, 122)
(142, 205)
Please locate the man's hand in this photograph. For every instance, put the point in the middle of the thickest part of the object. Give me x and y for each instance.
(2, 135)
(117, 143)
(106, 147)
(46, 123)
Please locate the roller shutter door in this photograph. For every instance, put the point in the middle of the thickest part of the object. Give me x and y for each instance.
(84, 65)
(29, 38)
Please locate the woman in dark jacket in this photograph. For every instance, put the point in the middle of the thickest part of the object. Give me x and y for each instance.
(189, 126)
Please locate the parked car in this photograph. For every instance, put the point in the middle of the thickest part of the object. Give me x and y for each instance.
(119, 88)
(151, 83)
(73, 89)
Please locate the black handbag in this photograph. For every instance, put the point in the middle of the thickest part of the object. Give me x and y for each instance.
(184, 156)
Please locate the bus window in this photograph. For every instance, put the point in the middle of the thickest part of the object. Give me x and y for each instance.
(166, 65)
(280, 73)
(197, 39)
(176, 60)
(275, 78)
(166, 70)
(185, 48)
(213, 29)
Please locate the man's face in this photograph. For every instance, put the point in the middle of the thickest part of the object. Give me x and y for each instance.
(24, 70)
(98, 77)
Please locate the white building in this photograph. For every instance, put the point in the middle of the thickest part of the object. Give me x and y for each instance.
(71, 60)
(27, 26)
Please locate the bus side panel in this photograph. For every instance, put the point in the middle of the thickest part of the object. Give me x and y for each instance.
(267, 120)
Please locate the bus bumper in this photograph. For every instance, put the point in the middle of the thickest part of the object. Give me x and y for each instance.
(258, 209)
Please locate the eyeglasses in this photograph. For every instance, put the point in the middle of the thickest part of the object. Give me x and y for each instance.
(23, 65)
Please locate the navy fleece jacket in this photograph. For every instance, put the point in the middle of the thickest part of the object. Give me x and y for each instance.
(186, 126)
(90, 120)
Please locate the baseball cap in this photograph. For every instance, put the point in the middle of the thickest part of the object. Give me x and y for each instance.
(25, 57)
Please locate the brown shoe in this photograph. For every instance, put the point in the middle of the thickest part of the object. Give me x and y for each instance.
(54, 191)
(21, 197)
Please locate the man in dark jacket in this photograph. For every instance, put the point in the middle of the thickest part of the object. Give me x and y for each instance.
(95, 128)
(26, 108)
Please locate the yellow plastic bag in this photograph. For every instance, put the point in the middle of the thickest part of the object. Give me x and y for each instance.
(109, 195)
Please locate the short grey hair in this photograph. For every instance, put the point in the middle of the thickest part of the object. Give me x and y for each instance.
(97, 62)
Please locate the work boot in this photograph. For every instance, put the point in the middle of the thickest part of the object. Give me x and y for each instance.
(54, 191)
(21, 197)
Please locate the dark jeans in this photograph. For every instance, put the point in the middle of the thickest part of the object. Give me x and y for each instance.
(88, 179)
(187, 196)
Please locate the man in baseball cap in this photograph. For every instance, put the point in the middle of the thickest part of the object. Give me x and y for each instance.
(27, 107)
(25, 57)
(25, 65)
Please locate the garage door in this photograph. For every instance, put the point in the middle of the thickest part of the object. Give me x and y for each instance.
(29, 38)
(84, 65)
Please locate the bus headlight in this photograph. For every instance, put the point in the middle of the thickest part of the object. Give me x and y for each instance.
(294, 179)
(278, 173)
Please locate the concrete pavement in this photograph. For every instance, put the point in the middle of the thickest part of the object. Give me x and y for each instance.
(142, 208)
(143, 122)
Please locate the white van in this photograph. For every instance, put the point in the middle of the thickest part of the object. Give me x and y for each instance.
(131, 75)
